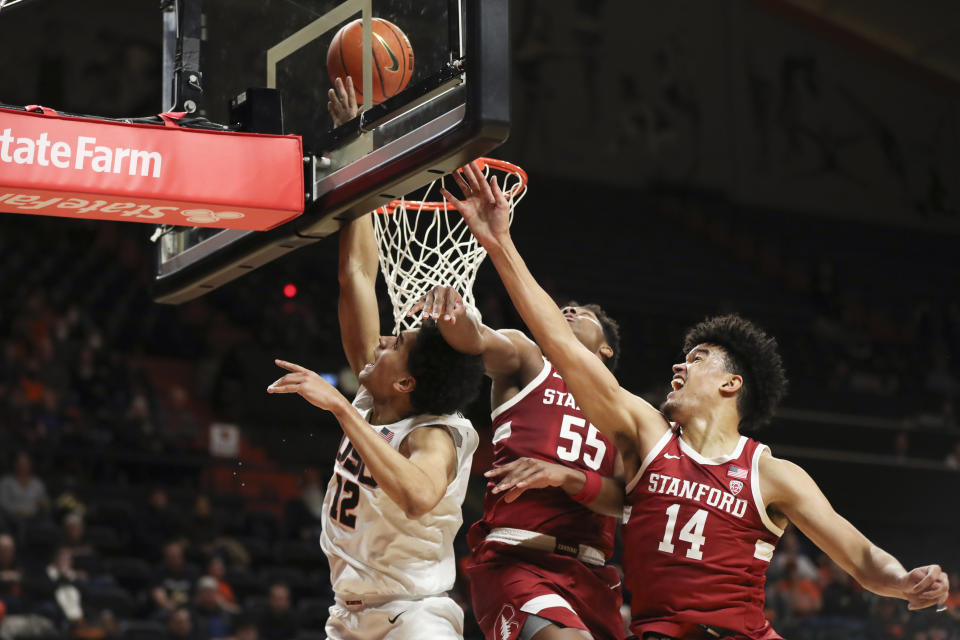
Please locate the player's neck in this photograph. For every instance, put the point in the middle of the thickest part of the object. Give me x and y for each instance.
(712, 435)
(391, 410)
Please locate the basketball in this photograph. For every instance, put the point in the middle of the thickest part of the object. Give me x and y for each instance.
(392, 58)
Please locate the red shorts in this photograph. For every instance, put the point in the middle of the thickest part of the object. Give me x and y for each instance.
(508, 583)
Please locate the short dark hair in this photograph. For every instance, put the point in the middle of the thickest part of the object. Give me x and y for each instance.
(447, 380)
(751, 354)
(611, 331)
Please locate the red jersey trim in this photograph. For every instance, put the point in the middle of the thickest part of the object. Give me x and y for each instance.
(698, 458)
(523, 393)
(657, 448)
(755, 489)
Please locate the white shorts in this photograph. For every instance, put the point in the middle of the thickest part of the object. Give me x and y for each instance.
(431, 617)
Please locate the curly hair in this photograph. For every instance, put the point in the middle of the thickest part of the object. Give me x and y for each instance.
(750, 353)
(611, 331)
(447, 380)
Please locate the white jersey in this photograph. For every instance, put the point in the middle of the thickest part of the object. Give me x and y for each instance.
(373, 549)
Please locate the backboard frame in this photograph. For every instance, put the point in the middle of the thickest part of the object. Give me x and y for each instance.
(473, 128)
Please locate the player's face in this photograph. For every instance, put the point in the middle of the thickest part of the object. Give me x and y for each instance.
(389, 362)
(696, 383)
(585, 326)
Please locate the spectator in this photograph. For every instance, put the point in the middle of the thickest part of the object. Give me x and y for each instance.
(202, 528)
(173, 586)
(794, 597)
(64, 602)
(901, 446)
(180, 625)
(840, 597)
(789, 551)
(304, 513)
(279, 622)
(245, 629)
(888, 621)
(953, 458)
(180, 427)
(953, 602)
(11, 574)
(212, 620)
(158, 522)
(216, 569)
(75, 536)
(22, 494)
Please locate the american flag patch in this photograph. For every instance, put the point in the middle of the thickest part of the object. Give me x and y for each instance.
(736, 472)
(387, 435)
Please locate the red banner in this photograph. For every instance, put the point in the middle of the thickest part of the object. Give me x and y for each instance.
(85, 168)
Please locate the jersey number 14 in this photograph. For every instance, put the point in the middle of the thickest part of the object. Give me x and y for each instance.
(692, 532)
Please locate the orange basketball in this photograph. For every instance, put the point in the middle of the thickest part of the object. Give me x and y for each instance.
(392, 58)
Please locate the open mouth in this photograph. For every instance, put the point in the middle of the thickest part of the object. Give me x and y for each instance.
(677, 383)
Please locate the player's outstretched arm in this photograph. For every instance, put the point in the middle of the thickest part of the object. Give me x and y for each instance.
(505, 354)
(630, 423)
(415, 480)
(788, 489)
(357, 305)
(600, 493)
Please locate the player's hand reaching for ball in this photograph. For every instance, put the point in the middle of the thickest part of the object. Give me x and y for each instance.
(441, 303)
(484, 207)
(308, 384)
(342, 103)
(532, 473)
(926, 587)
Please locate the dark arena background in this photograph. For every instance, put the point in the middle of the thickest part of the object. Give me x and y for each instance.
(796, 161)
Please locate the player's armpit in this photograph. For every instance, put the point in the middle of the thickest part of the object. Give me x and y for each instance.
(431, 450)
(788, 489)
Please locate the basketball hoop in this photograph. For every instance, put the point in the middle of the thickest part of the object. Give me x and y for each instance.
(424, 243)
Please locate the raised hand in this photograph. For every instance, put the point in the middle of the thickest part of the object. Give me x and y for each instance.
(441, 303)
(484, 207)
(527, 473)
(926, 587)
(342, 103)
(308, 384)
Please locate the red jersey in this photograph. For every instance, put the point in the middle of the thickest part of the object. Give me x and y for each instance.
(697, 542)
(543, 421)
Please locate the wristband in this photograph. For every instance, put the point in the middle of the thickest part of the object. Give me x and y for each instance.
(591, 488)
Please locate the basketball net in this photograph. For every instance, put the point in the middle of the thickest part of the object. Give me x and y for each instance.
(424, 243)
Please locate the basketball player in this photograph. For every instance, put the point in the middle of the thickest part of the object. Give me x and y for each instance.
(537, 562)
(705, 506)
(393, 505)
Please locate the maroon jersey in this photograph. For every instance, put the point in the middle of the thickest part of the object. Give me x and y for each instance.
(697, 542)
(543, 421)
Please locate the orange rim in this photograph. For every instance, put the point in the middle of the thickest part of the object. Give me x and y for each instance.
(492, 163)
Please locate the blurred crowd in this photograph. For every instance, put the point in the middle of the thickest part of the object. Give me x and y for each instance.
(809, 597)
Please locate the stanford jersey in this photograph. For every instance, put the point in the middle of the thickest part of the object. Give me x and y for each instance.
(543, 421)
(544, 553)
(697, 542)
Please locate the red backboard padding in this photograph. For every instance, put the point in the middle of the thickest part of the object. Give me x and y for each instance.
(86, 168)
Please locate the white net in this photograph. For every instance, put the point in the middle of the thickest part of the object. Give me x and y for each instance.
(424, 243)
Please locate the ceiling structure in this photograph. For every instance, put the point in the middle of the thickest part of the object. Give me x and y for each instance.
(920, 37)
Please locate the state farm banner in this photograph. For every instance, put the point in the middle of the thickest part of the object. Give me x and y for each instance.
(86, 168)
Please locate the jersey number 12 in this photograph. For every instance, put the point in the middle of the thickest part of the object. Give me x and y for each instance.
(346, 498)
